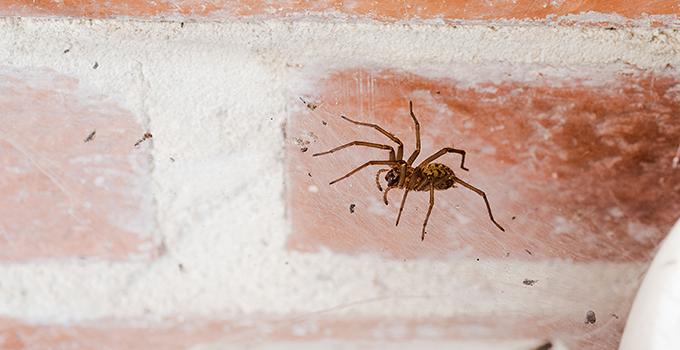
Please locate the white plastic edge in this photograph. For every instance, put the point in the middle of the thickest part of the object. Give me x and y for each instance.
(654, 320)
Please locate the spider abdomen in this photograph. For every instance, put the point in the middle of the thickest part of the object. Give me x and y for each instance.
(435, 173)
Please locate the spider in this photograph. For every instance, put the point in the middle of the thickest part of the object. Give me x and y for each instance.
(427, 176)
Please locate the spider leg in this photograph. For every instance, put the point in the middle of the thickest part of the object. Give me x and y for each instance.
(429, 210)
(373, 162)
(400, 147)
(402, 175)
(359, 143)
(444, 151)
(401, 207)
(415, 153)
(403, 200)
(377, 178)
(387, 190)
(481, 193)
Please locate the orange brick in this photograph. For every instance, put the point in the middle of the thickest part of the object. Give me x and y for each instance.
(382, 10)
(572, 170)
(60, 195)
(106, 334)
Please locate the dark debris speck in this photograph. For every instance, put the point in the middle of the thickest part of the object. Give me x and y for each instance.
(529, 282)
(545, 346)
(90, 137)
(351, 208)
(311, 106)
(96, 65)
(590, 317)
(147, 135)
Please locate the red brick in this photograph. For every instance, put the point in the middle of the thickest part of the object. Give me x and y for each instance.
(61, 196)
(111, 335)
(382, 10)
(572, 170)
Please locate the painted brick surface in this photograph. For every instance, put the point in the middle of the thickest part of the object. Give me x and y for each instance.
(572, 170)
(580, 167)
(72, 182)
(383, 10)
(313, 332)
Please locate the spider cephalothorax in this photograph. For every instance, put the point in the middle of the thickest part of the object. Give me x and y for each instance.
(392, 177)
(427, 176)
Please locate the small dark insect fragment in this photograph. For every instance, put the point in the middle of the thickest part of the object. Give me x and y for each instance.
(615, 316)
(181, 24)
(351, 208)
(529, 282)
(324, 122)
(67, 50)
(514, 217)
(309, 105)
(90, 137)
(309, 174)
(147, 135)
(545, 346)
(302, 143)
(590, 317)
(96, 65)
(172, 159)
(528, 251)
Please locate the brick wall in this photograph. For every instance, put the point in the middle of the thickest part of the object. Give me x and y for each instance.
(221, 230)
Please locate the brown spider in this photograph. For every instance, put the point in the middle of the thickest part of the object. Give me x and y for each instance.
(427, 176)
